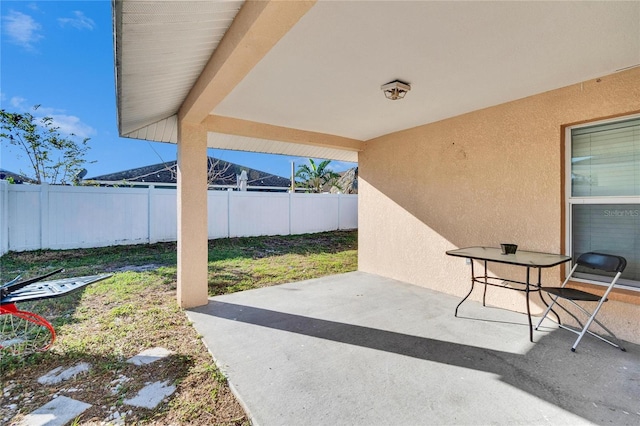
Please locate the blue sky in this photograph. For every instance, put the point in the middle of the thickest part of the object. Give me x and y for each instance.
(59, 55)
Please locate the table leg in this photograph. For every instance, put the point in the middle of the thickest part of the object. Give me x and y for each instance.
(539, 285)
(528, 307)
(468, 294)
(484, 295)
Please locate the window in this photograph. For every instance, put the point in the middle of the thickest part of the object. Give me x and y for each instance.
(604, 195)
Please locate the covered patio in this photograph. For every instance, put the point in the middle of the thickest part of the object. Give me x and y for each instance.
(361, 349)
(477, 153)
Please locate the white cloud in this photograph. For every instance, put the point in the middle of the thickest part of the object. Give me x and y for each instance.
(67, 124)
(18, 103)
(21, 29)
(79, 21)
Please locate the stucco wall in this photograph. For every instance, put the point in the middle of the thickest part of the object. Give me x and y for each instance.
(486, 177)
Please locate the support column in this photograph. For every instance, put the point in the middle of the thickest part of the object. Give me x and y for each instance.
(192, 216)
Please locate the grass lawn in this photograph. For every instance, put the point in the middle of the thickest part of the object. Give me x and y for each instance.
(112, 320)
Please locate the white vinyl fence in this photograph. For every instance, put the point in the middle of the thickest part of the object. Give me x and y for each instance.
(34, 217)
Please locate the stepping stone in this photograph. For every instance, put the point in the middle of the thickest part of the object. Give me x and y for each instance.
(149, 355)
(151, 395)
(57, 412)
(58, 375)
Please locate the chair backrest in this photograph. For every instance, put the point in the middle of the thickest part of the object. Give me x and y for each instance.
(604, 262)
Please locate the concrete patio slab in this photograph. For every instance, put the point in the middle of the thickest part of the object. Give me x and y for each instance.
(151, 395)
(61, 410)
(149, 356)
(57, 412)
(61, 374)
(360, 349)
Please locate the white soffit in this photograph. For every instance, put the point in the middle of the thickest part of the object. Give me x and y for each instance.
(162, 46)
(325, 74)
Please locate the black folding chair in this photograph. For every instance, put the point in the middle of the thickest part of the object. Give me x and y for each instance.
(603, 262)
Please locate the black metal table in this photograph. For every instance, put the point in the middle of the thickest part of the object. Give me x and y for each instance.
(528, 259)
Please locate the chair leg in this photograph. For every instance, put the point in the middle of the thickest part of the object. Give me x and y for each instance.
(615, 345)
(546, 312)
(553, 300)
(593, 317)
(579, 330)
(584, 330)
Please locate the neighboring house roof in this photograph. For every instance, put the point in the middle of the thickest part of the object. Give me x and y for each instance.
(17, 178)
(220, 173)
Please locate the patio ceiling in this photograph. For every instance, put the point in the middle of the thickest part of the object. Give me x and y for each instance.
(321, 80)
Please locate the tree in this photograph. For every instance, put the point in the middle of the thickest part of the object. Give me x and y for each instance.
(53, 158)
(316, 176)
(217, 171)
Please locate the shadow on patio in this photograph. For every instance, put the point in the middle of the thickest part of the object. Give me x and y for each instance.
(362, 349)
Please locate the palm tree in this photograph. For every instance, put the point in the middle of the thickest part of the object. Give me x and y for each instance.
(316, 176)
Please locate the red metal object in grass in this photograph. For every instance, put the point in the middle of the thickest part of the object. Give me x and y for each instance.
(24, 332)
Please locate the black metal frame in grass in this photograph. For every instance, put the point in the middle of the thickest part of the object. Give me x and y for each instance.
(24, 332)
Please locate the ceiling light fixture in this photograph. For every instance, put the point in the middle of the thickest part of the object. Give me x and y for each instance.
(395, 89)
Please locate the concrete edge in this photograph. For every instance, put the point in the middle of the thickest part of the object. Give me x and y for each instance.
(218, 365)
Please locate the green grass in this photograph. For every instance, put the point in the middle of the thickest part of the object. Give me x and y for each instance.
(234, 264)
(86, 261)
(112, 320)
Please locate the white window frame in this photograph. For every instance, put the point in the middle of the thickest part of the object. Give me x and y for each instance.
(570, 201)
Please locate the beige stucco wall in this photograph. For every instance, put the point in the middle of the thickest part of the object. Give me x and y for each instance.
(490, 176)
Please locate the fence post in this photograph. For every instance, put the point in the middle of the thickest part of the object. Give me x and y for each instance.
(229, 191)
(44, 216)
(339, 211)
(4, 217)
(290, 210)
(150, 231)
